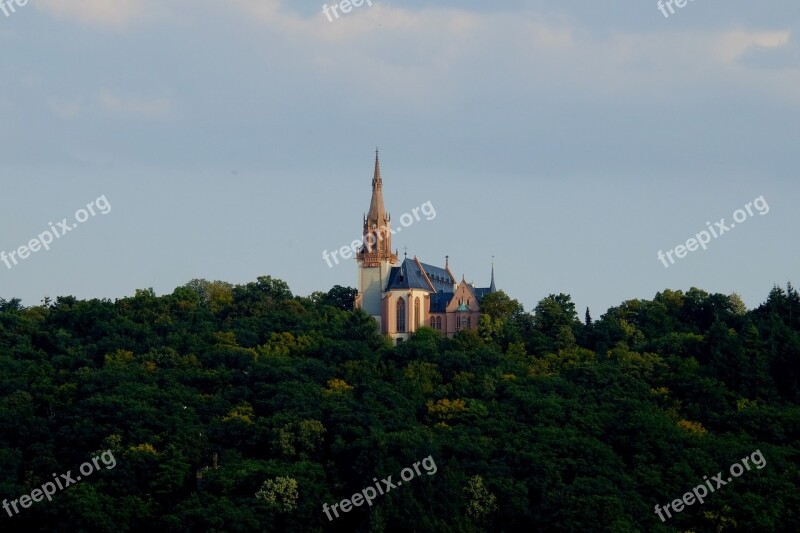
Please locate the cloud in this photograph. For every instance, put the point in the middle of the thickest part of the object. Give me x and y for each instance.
(271, 13)
(134, 107)
(730, 45)
(107, 13)
(435, 61)
(772, 57)
(63, 108)
(363, 21)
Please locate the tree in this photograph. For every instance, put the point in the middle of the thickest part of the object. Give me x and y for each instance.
(480, 502)
(216, 295)
(556, 321)
(14, 304)
(248, 418)
(279, 493)
(500, 318)
(343, 298)
(260, 296)
(499, 306)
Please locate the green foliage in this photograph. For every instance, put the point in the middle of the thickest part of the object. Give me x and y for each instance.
(555, 324)
(343, 298)
(244, 408)
(480, 502)
(279, 493)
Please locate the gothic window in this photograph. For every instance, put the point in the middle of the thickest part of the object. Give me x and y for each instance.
(417, 316)
(438, 322)
(469, 322)
(433, 323)
(401, 315)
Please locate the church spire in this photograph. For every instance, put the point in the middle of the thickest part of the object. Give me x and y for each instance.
(492, 288)
(377, 241)
(377, 214)
(377, 177)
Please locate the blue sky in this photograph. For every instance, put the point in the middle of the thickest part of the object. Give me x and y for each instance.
(235, 139)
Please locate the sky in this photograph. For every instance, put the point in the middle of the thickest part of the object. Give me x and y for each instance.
(569, 142)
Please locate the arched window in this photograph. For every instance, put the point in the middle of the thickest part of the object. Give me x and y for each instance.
(417, 316)
(438, 322)
(469, 322)
(401, 315)
(433, 323)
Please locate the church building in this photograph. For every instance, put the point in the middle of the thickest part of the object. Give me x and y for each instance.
(403, 296)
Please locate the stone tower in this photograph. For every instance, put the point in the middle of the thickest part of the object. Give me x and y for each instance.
(375, 258)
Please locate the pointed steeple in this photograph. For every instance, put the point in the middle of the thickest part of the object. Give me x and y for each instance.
(377, 240)
(492, 288)
(377, 213)
(377, 176)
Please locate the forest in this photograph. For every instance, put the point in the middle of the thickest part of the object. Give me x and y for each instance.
(247, 408)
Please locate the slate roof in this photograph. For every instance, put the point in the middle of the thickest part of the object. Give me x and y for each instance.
(409, 276)
(439, 301)
(439, 277)
(482, 291)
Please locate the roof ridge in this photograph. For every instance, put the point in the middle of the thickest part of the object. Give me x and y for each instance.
(424, 274)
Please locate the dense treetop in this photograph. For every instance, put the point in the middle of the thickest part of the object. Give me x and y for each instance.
(535, 421)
